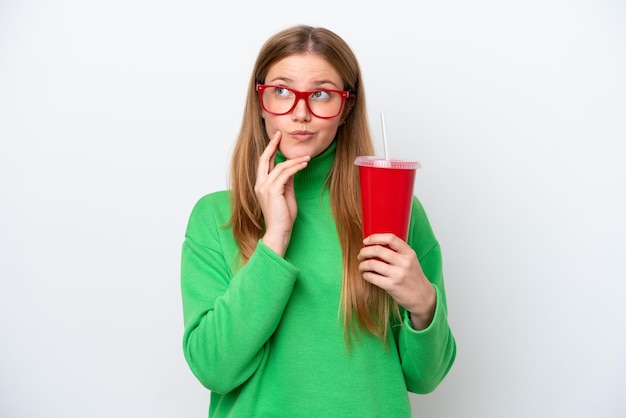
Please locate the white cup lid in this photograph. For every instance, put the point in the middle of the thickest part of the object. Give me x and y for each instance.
(378, 162)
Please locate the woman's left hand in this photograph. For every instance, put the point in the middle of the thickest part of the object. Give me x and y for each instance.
(390, 263)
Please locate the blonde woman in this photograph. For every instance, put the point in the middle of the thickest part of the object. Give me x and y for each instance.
(288, 311)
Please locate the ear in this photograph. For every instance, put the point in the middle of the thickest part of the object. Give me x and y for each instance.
(347, 108)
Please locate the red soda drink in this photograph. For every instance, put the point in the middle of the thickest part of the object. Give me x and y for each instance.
(386, 194)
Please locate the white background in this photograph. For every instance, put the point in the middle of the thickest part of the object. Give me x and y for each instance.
(116, 116)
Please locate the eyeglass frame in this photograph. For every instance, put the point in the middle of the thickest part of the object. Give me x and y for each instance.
(302, 95)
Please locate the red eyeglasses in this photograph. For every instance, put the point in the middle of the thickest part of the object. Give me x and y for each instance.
(323, 103)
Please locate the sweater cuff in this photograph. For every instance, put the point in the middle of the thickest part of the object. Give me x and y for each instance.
(266, 253)
(439, 317)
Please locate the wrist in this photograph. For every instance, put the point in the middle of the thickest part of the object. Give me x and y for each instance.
(277, 243)
(421, 317)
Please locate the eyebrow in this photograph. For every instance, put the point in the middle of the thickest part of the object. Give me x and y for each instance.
(317, 83)
(320, 82)
(283, 79)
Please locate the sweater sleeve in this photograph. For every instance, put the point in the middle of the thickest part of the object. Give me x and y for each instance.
(228, 317)
(427, 355)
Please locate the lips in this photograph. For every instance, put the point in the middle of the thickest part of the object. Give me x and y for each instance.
(301, 135)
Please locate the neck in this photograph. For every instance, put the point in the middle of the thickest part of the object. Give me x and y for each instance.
(311, 181)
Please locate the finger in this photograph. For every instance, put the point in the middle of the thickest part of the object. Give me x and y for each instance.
(266, 161)
(374, 265)
(377, 280)
(276, 182)
(281, 174)
(376, 252)
(278, 136)
(390, 240)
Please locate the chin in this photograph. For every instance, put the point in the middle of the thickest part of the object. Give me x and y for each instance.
(296, 152)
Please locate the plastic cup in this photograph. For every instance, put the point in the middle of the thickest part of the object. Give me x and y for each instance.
(386, 194)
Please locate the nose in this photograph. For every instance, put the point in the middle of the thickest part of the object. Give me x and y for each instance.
(301, 111)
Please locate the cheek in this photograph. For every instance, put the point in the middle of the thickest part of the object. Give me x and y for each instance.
(331, 130)
(269, 121)
(270, 128)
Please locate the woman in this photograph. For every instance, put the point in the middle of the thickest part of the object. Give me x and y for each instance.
(288, 311)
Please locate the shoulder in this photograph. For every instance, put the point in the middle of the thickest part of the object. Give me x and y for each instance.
(210, 210)
(418, 213)
(212, 201)
(421, 235)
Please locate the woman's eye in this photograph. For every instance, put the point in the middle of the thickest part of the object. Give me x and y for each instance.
(320, 95)
(283, 92)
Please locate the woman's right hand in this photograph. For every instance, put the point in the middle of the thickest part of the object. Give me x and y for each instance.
(275, 192)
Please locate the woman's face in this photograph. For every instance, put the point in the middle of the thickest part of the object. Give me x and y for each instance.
(303, 133)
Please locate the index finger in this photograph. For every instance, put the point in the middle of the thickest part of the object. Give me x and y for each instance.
(266, 160)
(388, 239)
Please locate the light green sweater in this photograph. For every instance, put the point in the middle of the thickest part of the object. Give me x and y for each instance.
(267, 339)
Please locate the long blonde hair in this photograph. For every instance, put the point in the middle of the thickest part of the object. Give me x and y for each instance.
(362, 303)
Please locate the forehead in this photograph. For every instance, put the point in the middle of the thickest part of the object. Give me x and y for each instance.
(305, 68)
